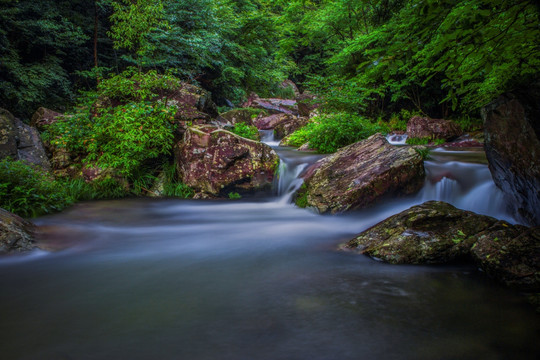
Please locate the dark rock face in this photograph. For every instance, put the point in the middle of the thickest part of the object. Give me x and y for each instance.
(423, 127)
(21, 142)
(510, 254)
(432, 233)
(214, 161)
(512, 147)
(359, 174)
(16, 234)
(437, 233)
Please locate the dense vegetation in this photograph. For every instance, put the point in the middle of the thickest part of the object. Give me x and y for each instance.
(372, 64)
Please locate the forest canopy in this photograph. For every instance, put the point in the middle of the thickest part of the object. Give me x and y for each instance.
(369, 58)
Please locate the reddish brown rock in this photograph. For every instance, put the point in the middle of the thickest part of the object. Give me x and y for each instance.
(512, 145)
(359, 174)
(423, 127)
(272, 105)
(271, 121)
(16, 234)
(43, 117)
(215, 162)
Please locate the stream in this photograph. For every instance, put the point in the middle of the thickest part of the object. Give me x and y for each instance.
(256, 278)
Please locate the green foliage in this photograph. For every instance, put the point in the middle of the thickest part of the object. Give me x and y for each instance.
(172, 186)
(327, 133)
(468, 123)
(247, 131)
(418, 141)
(301, 197)
(234, 196)
(28, 192)
(125, 136)
(423, 152)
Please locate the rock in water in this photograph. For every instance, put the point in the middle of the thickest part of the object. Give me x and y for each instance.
(512, 144)
(16, 234)
(359, 174)
(437, 233)
(510, 254)
(423, 127)
(432, 233)
(214, 162)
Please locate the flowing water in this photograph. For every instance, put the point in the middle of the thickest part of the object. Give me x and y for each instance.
(255, 279)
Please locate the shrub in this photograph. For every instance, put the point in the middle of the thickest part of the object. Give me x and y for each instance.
(28, 192)
(234, 196)
(328, 132)
(174, 187)
(247, 131)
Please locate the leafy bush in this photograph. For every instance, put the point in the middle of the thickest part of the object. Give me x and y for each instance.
(418, 141)
(468, 123)
(247, 131)
(328, 132)
(28, 192)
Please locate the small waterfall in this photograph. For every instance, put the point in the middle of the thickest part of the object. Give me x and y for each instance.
(289, 180)
(466, 186)
(267, 137)
(397, 139)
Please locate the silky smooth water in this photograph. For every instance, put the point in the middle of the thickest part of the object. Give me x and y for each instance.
(249, 279)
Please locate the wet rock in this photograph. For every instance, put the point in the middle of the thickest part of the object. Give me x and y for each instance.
(360, 174)
(16, 234)
(423, 127)
(510, 254)
(432, 233)
(21, 142)
(271, 121)
(512, 144)
(215, 162)
(44, 117)
(438, 233)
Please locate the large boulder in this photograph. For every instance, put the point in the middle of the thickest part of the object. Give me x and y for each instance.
(512, 144)
(271, 121)
(432, 233)
(21, 142)
(437, 233)
(358, 175)
(423, 127)
(215, 162)
(16, 234)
